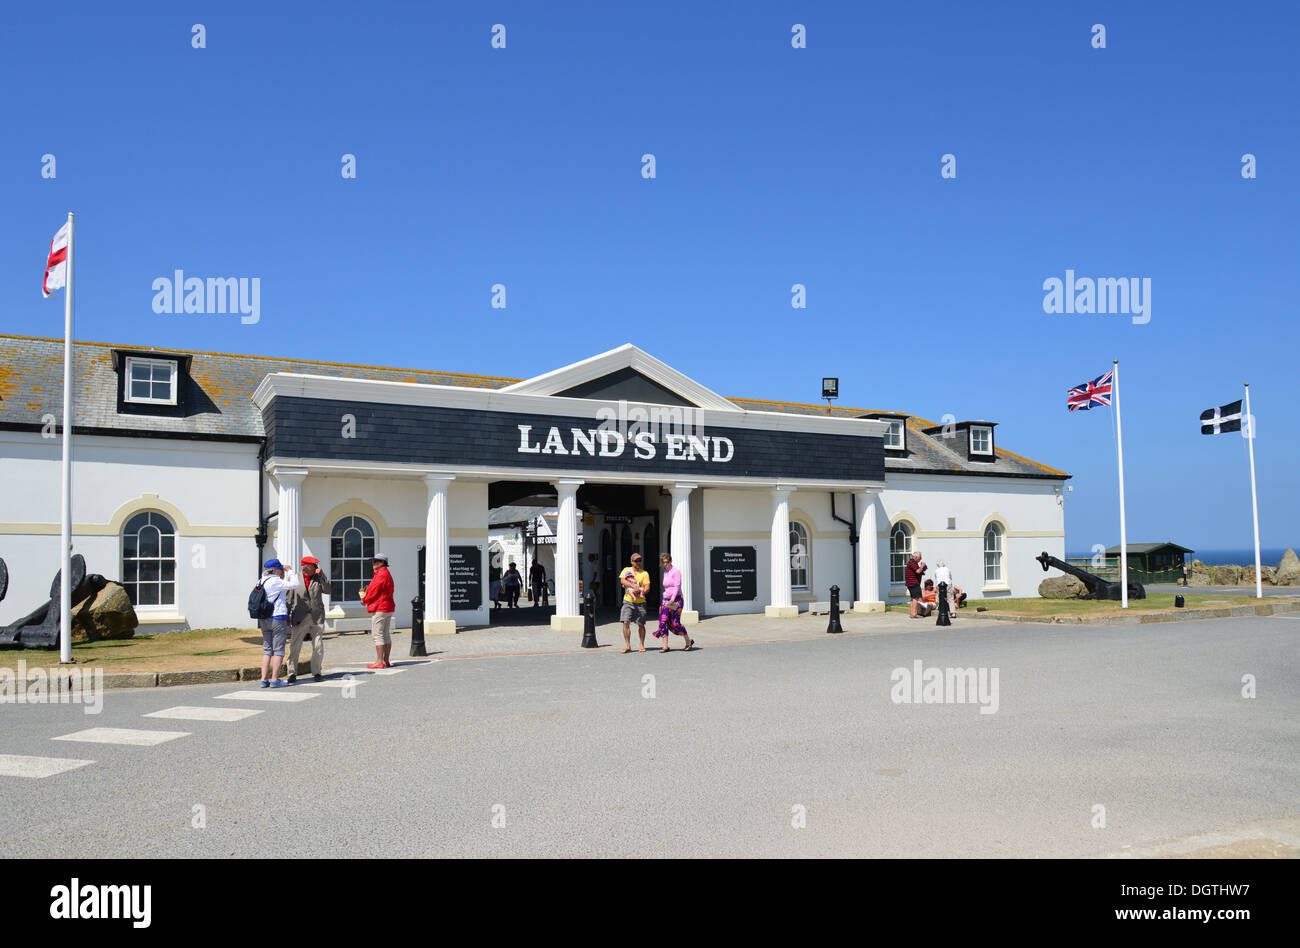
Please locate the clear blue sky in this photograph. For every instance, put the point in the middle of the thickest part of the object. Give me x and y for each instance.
(775, 166)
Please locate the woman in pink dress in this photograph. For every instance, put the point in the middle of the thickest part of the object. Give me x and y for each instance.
(670, 606)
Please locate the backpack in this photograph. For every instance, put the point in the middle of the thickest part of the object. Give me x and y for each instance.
(259, 607)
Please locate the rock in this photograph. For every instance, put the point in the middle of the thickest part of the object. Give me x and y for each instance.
(1248, 575)
(1288, 571)
(1062, 587)
(106, 615)
(1225, 575)
(1198, 574)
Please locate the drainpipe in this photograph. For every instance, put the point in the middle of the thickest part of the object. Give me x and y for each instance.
(262, 519)
(853, 534)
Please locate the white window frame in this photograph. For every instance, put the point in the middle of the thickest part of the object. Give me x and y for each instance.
(995, 564)
(984, 429)
(901, 433)
(806, 554)
(132, 587)
(906, 553)
(132, 362)
(338, 568)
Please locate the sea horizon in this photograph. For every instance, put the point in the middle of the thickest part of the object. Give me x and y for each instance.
(1268, 556)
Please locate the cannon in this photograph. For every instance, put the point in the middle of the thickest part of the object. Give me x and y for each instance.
(1098, 588)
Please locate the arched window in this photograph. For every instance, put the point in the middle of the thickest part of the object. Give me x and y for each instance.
(800, 556)
(352, 551)
(149, 560)
(993, 553)
(900, 551)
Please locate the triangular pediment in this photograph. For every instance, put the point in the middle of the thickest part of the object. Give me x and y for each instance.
(626, 373)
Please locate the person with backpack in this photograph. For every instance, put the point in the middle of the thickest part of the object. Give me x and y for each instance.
(267, 603)
(307, 617)
(378, 598)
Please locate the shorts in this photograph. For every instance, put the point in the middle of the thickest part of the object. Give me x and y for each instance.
(274, 633)
(914, 592)
(381, 627)
(632, 612)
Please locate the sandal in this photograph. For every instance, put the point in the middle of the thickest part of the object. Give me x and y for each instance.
(690, 644)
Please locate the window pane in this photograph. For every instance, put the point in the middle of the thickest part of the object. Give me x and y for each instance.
(129, 546)
(149, 571)
(364, 527)
(167, 595)
(129, 571)
(149, 594)
(135, 523)
(161, 390)
(336, 547)
(168, 545)
(149, 541)
(169, 571)
(352, 544)
(368, 547)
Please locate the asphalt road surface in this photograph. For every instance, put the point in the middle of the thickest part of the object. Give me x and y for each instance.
(565, 755)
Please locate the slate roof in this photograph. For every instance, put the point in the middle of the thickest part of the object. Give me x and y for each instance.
(31, 386)
(1149, 548)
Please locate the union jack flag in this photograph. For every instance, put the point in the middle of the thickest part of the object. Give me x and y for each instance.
(1097, 392)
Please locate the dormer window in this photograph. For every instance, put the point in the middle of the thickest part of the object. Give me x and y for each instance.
(895, 437)
(981, 440)
(150, 381)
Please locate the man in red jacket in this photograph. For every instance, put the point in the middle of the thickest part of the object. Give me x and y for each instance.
(378, 599)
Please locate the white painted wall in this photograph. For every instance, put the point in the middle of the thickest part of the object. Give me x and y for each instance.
(213, 486)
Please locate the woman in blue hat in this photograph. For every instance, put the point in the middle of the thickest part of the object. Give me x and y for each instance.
(276, 584)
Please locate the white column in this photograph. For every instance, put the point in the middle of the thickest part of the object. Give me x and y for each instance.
(681, 544)
(868, 556)
(437, 559)
(567, 617)
(288, 519)
(781, 607)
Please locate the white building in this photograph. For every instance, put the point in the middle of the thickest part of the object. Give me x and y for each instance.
(191, 468)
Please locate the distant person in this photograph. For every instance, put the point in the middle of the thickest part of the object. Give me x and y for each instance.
(275, 631)
(958, 596)
(670, 605)
(929, 600)
(944, 575)
(511, 584)
(307, 618)
(537, 579)
(912, 574)
(378, 597)
(1184, 573)
(594, 576)
(635, 583)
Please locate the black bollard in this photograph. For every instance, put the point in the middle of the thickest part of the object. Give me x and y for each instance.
(834, 628)
(589, 622)
(1179, 602)
(417, 627)
(943, 606)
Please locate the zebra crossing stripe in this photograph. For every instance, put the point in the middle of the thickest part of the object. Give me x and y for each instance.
(184, 713)
(20, 765)
(332, 683)
(123, 735)
(269, 694)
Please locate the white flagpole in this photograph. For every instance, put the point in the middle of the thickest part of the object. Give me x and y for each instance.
(65, 584)
(1123, 533)
(1254, 499)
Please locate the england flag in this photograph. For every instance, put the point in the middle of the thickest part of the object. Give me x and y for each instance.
(1221, 420)
(56, 265)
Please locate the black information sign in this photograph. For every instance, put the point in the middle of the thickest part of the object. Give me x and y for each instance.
(733, 573)
(466, 577)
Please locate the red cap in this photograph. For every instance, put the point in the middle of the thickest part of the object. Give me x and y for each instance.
(310, 561)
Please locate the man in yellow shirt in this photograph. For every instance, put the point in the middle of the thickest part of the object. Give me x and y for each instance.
(636, 583)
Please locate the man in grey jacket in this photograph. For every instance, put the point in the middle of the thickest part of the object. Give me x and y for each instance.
(307, 617)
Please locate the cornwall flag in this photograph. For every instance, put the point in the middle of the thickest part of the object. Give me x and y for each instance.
(1221, 420)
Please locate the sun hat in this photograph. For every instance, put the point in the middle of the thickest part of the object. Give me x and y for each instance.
(381, 557)
(310, 561)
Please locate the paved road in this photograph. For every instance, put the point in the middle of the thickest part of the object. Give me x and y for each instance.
(1147, 721)
(1285, 591)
